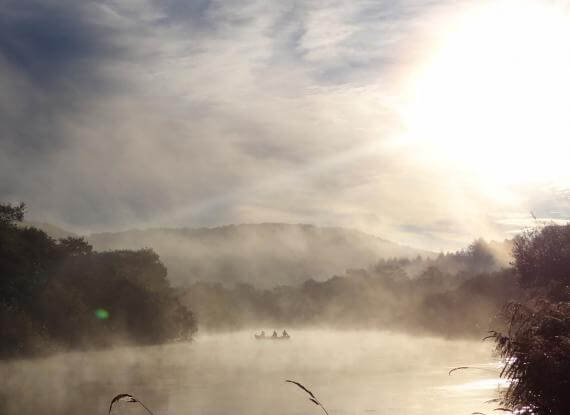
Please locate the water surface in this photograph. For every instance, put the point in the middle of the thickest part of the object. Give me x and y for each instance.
(352, 373)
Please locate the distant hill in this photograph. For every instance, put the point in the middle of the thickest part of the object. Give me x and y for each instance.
(265, 255)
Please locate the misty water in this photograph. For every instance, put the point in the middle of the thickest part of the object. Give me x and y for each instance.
(352, 373)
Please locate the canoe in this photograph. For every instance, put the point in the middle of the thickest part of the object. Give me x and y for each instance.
(259, 337)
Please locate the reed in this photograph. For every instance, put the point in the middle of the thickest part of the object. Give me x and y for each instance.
(312, 396)
(486, 369)
(125, 397)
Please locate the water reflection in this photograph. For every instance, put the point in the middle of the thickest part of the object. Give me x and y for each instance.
(483, 384)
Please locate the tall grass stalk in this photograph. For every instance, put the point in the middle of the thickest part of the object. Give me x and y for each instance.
(125, 397)
(312, 396)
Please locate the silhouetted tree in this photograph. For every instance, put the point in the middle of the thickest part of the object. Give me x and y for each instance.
(63, 294)
(542, 256)
(10, 214)
(75, 246)
(536, 343)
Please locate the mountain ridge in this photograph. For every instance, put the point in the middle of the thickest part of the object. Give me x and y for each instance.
(264, 254)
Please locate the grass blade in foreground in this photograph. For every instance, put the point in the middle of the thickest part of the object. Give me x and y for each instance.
(125, 397)
(312, 398)
(471, 367)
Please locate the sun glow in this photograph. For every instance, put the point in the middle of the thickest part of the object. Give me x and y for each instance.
(494, 97)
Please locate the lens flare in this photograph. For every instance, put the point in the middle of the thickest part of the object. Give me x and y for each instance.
(101, 314)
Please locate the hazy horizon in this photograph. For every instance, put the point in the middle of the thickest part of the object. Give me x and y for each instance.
(54, 229)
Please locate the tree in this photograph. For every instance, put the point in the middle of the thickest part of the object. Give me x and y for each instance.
(10, 214)
(536, 346)
(75, 246)
(542, 256)
(63, 293)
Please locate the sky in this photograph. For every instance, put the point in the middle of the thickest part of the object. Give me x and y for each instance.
(429, 123)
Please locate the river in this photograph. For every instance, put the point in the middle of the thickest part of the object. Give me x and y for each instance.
(351, 373)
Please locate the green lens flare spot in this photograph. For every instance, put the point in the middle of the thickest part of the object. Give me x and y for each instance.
(101, 314)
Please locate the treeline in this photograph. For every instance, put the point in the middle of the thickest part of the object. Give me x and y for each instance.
(60, 294)
(478, 258)
(452, 295)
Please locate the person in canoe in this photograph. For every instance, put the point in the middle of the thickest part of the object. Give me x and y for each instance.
(260, 336)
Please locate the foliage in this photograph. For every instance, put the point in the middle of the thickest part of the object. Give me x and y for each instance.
(10, 214)
(542, 256)
(536, 345)
(386, 296)
(62, 294)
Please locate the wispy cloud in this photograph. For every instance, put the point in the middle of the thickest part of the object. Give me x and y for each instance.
(116, 114)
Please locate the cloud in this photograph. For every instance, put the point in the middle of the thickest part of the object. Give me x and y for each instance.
(118, 114)
(50, 41)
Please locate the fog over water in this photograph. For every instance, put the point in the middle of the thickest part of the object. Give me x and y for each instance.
(351, 373)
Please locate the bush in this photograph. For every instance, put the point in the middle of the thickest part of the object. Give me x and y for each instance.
(536, 346)
(542, 256)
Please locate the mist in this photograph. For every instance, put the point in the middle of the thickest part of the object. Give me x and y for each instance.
(453, 295)
(360, 372)
(131, 331)
(385, 181)
(264, 255)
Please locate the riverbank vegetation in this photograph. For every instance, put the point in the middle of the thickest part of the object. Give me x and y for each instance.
(536, 341)
(60, 294)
